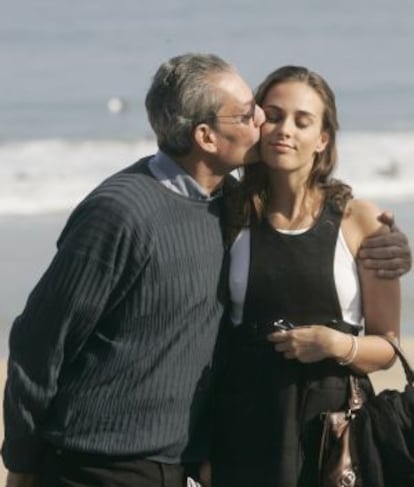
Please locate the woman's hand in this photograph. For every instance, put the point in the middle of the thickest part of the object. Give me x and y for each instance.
(311, 343)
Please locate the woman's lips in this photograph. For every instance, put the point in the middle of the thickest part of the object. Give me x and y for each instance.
(281, 147)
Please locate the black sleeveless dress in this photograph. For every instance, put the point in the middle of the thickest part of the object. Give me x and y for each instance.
(266, 422)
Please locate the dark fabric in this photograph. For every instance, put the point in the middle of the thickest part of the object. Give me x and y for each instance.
(113, 351)
(291, 276)
(267, 428)
(385, 434)
(65, 469)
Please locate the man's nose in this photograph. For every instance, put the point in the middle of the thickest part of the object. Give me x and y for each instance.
(259, 116)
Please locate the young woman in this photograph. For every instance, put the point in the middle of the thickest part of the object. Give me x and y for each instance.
(296, 232)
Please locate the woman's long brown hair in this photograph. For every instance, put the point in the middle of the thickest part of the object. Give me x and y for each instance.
(247, 203)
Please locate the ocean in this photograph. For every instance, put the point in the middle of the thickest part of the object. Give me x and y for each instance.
(63, 62)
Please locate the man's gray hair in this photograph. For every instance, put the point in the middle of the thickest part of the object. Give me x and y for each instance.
(181, 96)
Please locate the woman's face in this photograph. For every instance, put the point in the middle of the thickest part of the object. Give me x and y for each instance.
(292, 132)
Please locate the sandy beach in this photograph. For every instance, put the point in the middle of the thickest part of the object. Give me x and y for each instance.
(390, 379)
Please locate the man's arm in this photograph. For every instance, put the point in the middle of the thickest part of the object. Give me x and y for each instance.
(89, 270)
(389, 254)
(59, 315)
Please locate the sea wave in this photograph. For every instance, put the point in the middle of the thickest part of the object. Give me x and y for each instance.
(46, 175)
(378, 165)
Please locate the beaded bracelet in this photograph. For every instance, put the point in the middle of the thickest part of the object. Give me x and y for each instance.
(352, 353)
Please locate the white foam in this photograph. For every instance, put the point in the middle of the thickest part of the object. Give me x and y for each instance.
(378, 165)
(50, 175)
(54, 174)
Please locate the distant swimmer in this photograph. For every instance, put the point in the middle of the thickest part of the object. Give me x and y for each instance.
(390, 171)
(116, 105)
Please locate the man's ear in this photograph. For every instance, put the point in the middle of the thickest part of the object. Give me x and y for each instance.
(205, 138)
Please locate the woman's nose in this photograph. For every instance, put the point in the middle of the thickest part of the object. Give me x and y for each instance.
(285, 126)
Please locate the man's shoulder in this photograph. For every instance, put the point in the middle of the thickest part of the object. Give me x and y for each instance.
(119, 198)
(128, 188)
(130, 177)
(138, 168)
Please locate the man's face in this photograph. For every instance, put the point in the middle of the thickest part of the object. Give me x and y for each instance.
(238, 122)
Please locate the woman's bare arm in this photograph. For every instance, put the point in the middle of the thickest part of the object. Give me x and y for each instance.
(380, 305)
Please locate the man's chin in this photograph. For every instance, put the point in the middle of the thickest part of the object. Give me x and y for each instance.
(249, 163)
(252, 158)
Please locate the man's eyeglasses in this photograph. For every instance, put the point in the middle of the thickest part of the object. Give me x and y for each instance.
(244, 118)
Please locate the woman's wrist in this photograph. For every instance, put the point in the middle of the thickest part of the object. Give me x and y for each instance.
(345, 348)
(351, 353)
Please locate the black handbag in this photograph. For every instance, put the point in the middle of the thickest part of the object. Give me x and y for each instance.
(384, 433)
(371, 444)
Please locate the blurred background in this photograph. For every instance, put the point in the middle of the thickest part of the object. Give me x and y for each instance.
(75, 74)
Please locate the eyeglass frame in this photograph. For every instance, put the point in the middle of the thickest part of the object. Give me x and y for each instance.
(244, 118)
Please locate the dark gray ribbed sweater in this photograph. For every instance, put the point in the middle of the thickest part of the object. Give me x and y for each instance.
(113, 351)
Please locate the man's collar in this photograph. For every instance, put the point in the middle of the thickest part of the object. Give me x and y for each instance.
(174, 177)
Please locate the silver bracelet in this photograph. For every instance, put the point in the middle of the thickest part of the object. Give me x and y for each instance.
(352, 353)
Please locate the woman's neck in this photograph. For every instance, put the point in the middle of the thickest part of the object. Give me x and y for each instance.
(293, 206)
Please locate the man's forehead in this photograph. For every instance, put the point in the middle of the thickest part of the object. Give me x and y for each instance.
(240, 102)
(233, 85)
(240, 99)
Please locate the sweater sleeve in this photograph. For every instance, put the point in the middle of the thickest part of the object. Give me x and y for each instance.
(91, 267)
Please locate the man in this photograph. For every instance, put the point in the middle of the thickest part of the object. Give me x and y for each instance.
(111, 360)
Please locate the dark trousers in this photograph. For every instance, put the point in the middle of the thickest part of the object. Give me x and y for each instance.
(68, 469)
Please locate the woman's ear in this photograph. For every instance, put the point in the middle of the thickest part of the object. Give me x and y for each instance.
(205, 138)
(323, 142)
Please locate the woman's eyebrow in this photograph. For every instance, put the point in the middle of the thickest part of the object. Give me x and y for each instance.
(305, 113)
(301, 113)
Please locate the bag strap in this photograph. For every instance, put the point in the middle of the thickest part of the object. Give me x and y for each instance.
(409, 371)
(355, 400)
(355, 397)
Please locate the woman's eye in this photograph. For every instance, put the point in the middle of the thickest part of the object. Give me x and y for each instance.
(273, 117)
(302, 124)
